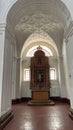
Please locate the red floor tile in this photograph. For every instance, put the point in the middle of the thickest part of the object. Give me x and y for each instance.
(40, 117)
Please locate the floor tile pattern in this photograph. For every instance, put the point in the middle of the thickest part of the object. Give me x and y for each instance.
(40, 117)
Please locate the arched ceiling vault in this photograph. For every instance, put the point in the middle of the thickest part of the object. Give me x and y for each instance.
(55, 9)
(42, 39)
(27, 17)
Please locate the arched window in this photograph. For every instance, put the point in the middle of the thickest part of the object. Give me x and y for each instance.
(46, 50)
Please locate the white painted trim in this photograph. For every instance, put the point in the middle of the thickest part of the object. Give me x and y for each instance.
(6, 9)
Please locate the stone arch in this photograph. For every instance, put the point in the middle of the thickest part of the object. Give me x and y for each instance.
(15, 10)
(39, 36)
(10, 12)
(11, 3)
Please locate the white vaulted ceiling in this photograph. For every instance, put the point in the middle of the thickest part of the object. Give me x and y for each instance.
(39, 23)
(48, 16)
(53, 8)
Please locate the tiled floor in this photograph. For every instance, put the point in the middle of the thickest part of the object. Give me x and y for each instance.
(40, 117)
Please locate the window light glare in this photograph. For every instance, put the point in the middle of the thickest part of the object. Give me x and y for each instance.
(46, 50)
(27, 74)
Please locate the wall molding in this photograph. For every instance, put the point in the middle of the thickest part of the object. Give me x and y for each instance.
(71, 114)
(5, 119)
(61, 99)
(26, 99)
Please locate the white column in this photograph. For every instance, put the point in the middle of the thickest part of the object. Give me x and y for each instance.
(14, 78)
(7, 77)
(6, 86)
(14, 62)
(18, 87)
(62, 77)
(69, 46)
(65, 61)
(2, 37)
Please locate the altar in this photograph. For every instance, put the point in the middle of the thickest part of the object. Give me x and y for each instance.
(40, 79)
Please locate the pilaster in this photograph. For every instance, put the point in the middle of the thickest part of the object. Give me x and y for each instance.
(2, 38)
(61, 77)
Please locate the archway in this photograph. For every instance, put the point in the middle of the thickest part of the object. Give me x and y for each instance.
(16, 32)
(37, 14)
(42, 39)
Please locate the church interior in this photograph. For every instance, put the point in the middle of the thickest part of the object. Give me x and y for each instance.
(36, 64)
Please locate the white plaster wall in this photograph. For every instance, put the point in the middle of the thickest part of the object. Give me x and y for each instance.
(14, 63)
(2, 36)
(62, 78)
(25, 89)
(5, 6)
(55, 86)
(7, 76)
(65, 62)
(8, 85)
(55, 89)
(69, 4)
(5, 92)
(18, 87)
(70, 65)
